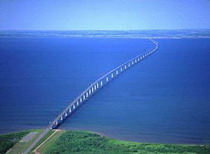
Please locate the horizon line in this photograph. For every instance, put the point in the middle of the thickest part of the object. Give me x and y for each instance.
(98, 29)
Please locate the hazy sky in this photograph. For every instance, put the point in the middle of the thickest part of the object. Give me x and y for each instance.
(104, 14)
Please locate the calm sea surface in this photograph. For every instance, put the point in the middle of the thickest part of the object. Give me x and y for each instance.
(165, 98)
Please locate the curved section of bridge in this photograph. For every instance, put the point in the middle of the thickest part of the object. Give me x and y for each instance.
(90, 91)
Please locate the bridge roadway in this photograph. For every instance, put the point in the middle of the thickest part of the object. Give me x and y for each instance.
(90, 91)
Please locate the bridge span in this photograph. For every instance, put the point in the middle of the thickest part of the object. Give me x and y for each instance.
(90, 91)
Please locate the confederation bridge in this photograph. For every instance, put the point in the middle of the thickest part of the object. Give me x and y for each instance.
(90, 91)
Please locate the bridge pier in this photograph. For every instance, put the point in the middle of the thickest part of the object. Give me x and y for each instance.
(107, 79)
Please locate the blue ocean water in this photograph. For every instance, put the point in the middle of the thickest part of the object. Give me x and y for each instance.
(165, 98)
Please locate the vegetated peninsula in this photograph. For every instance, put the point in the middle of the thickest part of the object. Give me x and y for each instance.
(69, 141)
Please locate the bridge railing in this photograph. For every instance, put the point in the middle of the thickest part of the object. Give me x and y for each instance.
(97, 85)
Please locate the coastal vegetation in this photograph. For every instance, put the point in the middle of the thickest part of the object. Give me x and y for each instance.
(9, 140)
(10, 143)
(87, 142)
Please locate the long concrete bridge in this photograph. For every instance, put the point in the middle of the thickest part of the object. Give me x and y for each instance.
(90, 91)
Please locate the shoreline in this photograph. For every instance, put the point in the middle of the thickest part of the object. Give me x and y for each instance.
(103, 135)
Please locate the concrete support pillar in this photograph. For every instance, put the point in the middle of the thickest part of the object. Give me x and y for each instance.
(56, 123)
(83, 97)
(125, 67)
(77, 103)
(92, 90)
(132, 62)
(117, 72)
(66, 114)
(129, 64)
(112, 75)
(97, 85)
(89, 92)
(61, 118)
(94, 87)
(80, 99)
(70, 110)
(107, 79)
(74, 107)
(121, 69)
(86, 94)
(101, 83)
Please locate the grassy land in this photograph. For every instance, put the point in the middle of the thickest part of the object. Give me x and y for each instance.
(86, 142)
(8, 140)
(11, 141)
(48, 144)
(43, 139)
(20, 146)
